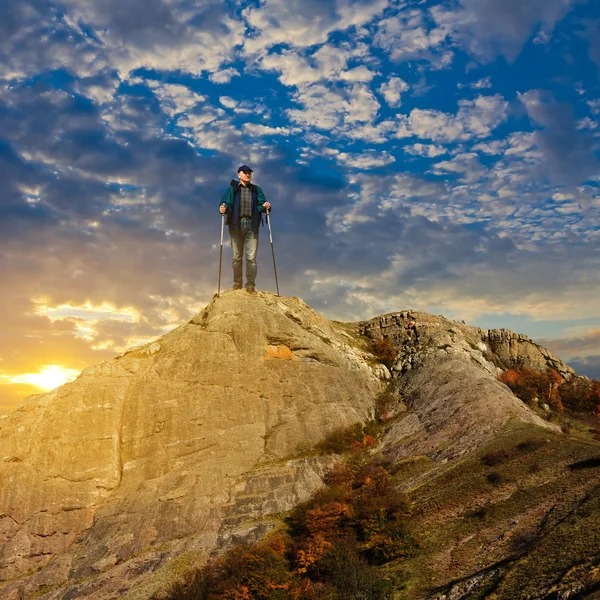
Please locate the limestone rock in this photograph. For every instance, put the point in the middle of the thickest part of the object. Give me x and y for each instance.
(195, 441)
(446, 373)
(157, 447)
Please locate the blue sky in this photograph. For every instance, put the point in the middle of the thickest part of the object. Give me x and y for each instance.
(439, 156)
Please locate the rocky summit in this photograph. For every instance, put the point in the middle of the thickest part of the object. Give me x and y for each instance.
(115, 483)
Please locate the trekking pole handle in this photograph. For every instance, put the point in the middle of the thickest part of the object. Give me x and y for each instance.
(269, 224)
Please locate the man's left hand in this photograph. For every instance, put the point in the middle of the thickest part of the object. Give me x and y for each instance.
(267, 206)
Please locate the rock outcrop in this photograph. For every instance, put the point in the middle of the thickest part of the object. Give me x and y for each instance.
(446, 373)
(198, 439)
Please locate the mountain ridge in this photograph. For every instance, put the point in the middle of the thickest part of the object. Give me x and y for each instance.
(198, 439)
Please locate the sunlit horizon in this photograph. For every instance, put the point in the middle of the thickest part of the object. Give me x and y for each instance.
(48, 378)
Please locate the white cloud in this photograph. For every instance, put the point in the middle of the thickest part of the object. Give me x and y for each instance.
(475, 119)
(296, 69)
(304, 23)
(427, 150)
(328, 62)
(224, 76)
(258, 129)
(393, 89)
(357, 74)
(371, 134)
(468, 164)
(91, 38)
(594, 106)
(327, 108)
(491, 148)
(369, 159)
(174, 35)
(210, 130)
(409, 35)
(242, 108)
(481, 84)
(228, 102)
(175, 98)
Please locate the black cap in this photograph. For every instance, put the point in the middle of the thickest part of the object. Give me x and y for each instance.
(245, 168)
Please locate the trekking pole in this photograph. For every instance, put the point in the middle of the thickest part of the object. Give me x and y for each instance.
(272, 251)
(221, 254)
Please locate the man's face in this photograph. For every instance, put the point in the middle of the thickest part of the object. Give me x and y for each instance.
(245, 176)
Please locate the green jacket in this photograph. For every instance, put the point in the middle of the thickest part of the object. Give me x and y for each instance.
(231, 200)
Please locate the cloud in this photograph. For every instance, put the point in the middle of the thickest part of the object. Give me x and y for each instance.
(392, 91)
(466, 164)
(329, 108)
(427, 150)
(88, 38)
(329, 62)
(357, 74)
(480, 84)
(487, 28)
(569, 154)
(258, 129)
(576, 346)
(412, 35)
(303, 23)
(586, 365)
(224, 76)
(175, 98)
(475, 119)
(370, 159)
(594, 106)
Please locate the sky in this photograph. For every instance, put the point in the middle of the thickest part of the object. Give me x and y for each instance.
(441, 156)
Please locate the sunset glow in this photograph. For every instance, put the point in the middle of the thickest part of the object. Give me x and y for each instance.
(48, 378)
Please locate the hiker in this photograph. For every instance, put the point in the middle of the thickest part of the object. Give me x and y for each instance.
(243, 202)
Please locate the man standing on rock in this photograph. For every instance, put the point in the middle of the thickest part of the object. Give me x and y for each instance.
(243, 202)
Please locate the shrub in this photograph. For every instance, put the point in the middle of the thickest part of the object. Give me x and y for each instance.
(529, 445)
(332, 547)
(385, 402)
(342, 439)
(581, 395)
(385, 351)
(528, 384)
(345, 570)
(495, 478)
(578, 394)
(495, 457)
(243, 573)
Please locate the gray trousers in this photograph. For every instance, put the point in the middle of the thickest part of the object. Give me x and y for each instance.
(244, 241)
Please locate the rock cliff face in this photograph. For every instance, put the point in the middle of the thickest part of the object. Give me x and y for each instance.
(198, 439)
(446, 373)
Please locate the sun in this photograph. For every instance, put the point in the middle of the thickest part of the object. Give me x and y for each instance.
(48, 377)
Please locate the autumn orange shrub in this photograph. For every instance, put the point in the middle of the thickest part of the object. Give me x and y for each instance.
(244, 573)
(384, 350)
(577, 394)
(581, 395)
(330, 551)
(360, 508)
(528, 384)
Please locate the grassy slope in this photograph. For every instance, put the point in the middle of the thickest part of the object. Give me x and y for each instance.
(515, 527)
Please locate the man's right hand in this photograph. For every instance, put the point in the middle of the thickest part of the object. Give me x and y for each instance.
(223, 209)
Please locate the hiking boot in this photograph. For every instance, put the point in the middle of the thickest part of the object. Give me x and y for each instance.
(237, 286)
(251, 289)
